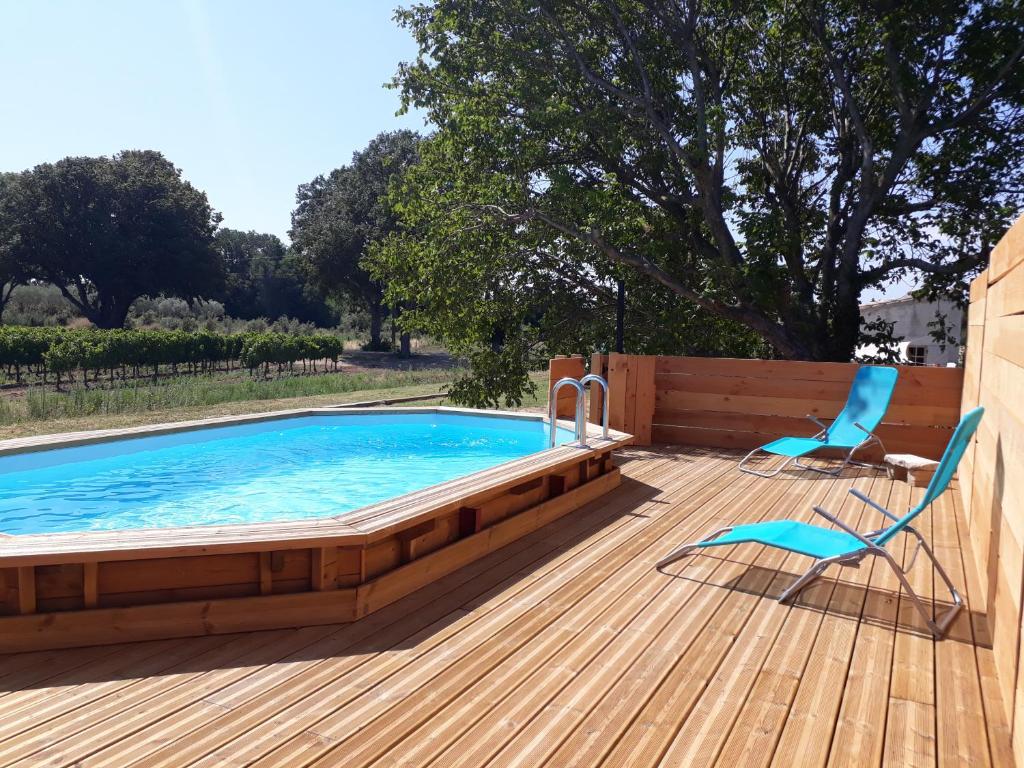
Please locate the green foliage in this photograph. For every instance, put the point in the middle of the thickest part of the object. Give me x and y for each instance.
(263, 349)
(338, 216)
(11, 272)
(266, 279)
(107, 230)
(41, 404)
(61, 351)
(752, 165)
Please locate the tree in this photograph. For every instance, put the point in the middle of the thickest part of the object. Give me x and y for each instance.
(265, 279)
(762, 161)
(11, 274)
(507, 313)
(337, 217)
(107, 230)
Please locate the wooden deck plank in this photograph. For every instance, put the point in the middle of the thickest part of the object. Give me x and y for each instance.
(751, 737)
(564, 648)
(860, 730)
(963, 570)
(910, 723)
(960, 711)
(807, 732)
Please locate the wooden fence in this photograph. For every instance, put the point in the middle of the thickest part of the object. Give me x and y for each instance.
(742, 404)
(991, 477)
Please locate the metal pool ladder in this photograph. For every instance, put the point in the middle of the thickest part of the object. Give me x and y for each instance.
(581, 424)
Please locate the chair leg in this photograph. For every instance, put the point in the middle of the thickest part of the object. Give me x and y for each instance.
(812, 573)
(847, 461)
(758, 473)
(870, 441)
(939, 625)
(831, 472)
(683, 551)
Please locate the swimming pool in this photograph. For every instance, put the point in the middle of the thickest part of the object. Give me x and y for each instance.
(287, 469)
(268, 521)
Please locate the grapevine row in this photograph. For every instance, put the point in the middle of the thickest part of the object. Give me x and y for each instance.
(59, 352)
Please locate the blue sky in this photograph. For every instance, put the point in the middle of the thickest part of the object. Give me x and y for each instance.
(248, 97)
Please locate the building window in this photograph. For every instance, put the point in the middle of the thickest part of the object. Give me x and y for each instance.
(917, 354)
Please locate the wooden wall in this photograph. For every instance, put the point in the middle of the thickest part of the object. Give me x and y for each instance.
(746, 403)
(727, 403)
(992, 473)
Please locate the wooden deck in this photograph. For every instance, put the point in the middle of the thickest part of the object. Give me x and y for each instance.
(564, 648)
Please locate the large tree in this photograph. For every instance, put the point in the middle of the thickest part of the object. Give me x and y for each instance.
(265, 279)
(11, 273)
(107, 230)
(340, 215)
(762, 161)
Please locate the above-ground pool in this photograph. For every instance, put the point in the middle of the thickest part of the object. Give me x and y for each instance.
(271, 521)
(285, 469)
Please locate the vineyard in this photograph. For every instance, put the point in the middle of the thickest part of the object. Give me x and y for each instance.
(66, 356)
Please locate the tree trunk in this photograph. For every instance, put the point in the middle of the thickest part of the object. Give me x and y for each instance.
(6, 291)
(376, 324)
(109, 313)
(620, 318)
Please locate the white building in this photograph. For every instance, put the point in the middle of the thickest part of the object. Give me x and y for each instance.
(911, 318)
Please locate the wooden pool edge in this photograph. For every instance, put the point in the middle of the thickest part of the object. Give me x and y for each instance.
(63, 590)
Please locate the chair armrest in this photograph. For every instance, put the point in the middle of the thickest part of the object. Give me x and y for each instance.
(865, 430)
(836, 521)
(821, 425)
(873, 504)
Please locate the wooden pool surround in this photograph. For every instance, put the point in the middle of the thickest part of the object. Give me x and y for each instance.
(99, 587)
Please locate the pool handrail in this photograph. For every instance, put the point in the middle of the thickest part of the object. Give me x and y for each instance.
(581, 427)
(593, 377)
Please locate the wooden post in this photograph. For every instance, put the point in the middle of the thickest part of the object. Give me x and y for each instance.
(27, 589)
(559, 368)
(266, 574)
(90, 584)
(598, 365)
(410, 539)
(324, 568)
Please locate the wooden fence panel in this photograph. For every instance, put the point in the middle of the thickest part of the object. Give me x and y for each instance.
(733, 403)
(632, 395)
(990, 479)
(746, 403)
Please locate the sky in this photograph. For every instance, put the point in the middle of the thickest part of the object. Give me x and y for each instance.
(250, 98)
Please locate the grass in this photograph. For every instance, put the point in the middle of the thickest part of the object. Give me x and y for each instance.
(44, 410)
(47, 412)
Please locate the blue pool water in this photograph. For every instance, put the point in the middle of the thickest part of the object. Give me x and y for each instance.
(288, 469)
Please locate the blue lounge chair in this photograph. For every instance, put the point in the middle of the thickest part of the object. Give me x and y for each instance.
(852, 430)
(848, 547)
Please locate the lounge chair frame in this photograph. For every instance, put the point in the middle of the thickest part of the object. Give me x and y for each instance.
(871, 543)
(937, 625)
(848, 460)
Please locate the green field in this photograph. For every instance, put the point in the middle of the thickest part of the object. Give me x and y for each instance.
(43, 411)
